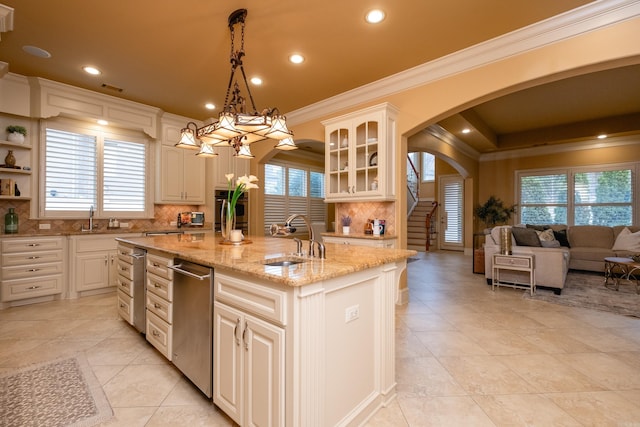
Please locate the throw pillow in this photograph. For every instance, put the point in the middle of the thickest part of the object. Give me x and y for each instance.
(550, 243)
(546, 235)
(627, 241)
(525, 236)
(561, 236)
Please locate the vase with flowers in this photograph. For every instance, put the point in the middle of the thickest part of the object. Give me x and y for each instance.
(228, 214)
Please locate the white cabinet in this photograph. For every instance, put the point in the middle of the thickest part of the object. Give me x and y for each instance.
(249, 352)
(159, 302)
(32, 267)
(226, 163)
(359, 155)
(94, 263)
(375, 243)
(180, 174)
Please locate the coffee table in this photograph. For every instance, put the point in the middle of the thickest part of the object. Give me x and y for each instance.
(618, 268)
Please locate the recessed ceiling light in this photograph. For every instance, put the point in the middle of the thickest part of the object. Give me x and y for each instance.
(92, 70)
(256, 81)
(210, 106)
(296, 58)
(103, 122)
(466, 130)
(374, 16)
(602, 136)
(36, 51)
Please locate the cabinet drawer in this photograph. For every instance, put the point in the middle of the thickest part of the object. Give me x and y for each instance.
(512, 261)
(160, 307)
(262, 301)
(125, 285)
(125, 306)
(160, 286)
(37, 270)
(13, 290)
(159, 265)
(95, 243)
(125, 269)
(31, 244)
(159, 334)
(29, 258)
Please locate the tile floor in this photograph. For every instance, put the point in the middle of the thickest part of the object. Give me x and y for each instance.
(466, 356)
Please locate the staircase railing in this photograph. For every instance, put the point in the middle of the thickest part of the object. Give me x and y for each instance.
(413, 186)
(430, 225)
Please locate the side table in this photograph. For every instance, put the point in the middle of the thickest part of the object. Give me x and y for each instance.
(617, 268)
(525, 263)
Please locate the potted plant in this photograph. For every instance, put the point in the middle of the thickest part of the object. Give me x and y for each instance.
(346, 222)
(493, 212)
(16, 133)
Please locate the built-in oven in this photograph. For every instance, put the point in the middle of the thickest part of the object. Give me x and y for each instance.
(242, 211)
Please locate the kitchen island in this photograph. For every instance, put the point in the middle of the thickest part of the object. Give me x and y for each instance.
(309, 344)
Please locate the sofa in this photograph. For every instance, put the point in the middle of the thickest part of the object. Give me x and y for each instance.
(558, 248)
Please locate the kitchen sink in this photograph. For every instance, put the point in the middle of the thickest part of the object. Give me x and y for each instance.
(283, 262)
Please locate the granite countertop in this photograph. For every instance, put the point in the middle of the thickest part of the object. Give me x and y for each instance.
(359, 236)
(206, 249)
(100, 232)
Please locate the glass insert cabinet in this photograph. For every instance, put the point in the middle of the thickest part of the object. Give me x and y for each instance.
(359, 155)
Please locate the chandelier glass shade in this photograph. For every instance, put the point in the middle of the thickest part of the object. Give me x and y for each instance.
(235, 126)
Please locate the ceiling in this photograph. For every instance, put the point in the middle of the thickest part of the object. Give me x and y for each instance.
(175, 55)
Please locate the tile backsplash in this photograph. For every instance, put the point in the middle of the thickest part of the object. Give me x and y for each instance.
(360, 212)
(163, 216)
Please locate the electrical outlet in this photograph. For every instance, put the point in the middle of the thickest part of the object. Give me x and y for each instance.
(124, 225)
(44, 226)
(351, 313)
(173, 223)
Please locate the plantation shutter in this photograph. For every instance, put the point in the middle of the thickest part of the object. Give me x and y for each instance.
(70, 171)
(124, 176)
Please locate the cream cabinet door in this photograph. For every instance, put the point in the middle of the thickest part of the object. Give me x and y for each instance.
(264, 373)
(171, 174)
(92, 271)
(227, 360)
(194, 185)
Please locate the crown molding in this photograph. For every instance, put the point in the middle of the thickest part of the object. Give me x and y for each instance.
(594, 144)
(585, 19)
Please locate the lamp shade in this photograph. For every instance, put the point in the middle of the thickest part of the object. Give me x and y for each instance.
(206, 150)
(278, 128)
(188, 139)
(244, 152)
(286, 144)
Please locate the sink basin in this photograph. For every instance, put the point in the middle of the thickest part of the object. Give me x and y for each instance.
(283, 262)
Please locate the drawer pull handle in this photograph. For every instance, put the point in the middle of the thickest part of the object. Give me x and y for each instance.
(121, 305)
(33, 269)
(156, 305)
(124, 269)
(33, 287)
(155, 333)
(33, 257)
(157, 286)
(32, 245)
(156, 264)
(235, 331)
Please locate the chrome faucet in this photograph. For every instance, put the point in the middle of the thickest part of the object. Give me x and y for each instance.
(287, 229)
(90, 220)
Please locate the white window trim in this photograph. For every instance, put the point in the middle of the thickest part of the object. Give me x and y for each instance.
(76, 126)
(570, 172)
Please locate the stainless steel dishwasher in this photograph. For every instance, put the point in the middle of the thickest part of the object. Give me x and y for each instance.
(193, 323)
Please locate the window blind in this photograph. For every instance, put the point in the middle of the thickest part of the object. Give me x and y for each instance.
(124, 176)
(70, 170)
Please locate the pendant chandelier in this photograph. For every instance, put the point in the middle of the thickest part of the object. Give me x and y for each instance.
(235, 126)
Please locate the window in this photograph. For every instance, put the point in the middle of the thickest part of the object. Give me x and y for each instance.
(87, 168)
(292, 189)
(428, 167)
(600, 197)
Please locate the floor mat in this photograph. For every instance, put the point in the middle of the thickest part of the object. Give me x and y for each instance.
(64, 392)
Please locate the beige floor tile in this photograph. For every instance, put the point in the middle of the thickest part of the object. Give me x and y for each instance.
(530, 410)
(484, 375)
(449, 343)
(548, 373)
(603, 339)
(419, 322)
(554, 341)
(425, 376)
(141, 385)
(116, 351)
(603, 408)
(408, 346)
(189, 415)
(391, 416)
(501, 341)
(130, 417)
(608, 371)
(444, 412)
(104, 373)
